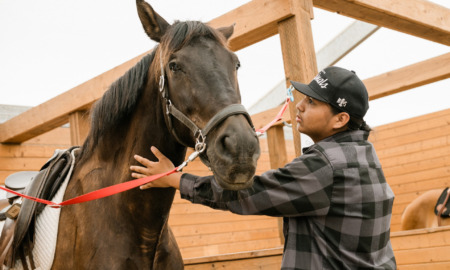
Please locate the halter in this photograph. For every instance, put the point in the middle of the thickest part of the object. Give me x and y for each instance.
(199, 134)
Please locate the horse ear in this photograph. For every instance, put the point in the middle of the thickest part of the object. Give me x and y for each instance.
(227, 31)
(154, 25)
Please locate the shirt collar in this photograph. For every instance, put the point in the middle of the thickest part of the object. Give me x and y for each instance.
(345, 136)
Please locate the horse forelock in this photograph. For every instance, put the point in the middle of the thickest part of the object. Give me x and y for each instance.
(181, 34)
(117, 103)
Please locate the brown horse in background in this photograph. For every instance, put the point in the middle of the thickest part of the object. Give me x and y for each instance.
(198, 75)
(420, 213)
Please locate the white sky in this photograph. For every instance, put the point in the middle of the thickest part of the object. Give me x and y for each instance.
(50, 46)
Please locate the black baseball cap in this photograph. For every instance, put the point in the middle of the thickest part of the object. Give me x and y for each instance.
(340, 88)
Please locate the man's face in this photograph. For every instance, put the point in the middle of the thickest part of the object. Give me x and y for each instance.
(315, 119)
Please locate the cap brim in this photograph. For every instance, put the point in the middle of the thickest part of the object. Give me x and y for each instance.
(307, 90)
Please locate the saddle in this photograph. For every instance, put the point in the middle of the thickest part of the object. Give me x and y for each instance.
(442, 208)
(17, 238)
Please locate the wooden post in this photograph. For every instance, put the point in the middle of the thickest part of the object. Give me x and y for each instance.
(298, 54)
(299, 60)
(79, 127)
(278, 158)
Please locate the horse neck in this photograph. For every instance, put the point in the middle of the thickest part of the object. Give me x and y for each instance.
(145, 127)
(150, 129)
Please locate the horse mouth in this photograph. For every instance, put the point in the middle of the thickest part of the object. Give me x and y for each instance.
(234, 175)
(241, 181)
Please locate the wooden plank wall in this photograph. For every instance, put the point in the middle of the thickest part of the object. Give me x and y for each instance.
(32, 154)
(415, 155)
(423, 249)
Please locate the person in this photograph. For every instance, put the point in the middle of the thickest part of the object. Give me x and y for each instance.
(335, 202)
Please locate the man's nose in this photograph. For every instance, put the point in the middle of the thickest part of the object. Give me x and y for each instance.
(299, 105)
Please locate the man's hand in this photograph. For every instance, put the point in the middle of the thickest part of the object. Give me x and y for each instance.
(156, 167)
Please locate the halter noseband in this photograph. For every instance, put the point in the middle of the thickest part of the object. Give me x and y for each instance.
(199, 133)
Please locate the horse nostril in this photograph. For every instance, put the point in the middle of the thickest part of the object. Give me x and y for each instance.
(228, 143)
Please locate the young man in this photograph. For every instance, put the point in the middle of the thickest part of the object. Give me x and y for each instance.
(334, 198)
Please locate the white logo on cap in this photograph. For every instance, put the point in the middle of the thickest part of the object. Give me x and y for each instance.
(341, 102)
(323, 83)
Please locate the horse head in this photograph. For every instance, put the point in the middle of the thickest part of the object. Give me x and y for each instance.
(198, 80)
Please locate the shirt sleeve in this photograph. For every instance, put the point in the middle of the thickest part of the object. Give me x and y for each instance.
(302, 188)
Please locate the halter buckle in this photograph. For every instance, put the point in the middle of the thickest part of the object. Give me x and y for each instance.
(161, 83)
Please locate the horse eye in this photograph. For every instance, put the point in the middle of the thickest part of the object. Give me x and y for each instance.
(174, 66)
(238, 65)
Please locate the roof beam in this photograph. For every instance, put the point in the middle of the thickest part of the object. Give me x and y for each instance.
(255, 21)
(419, 18)
(412, 76)
(55, 112)
(402, 79)
(344, 43)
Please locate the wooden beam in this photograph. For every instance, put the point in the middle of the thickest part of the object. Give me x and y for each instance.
(299, 56)
(425, 72)
(79, 127)
(344, 43)
(419, 18)
(55, 112)
(402, 79)
(255, 21)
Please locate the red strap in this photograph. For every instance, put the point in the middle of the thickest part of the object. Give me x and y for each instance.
(111, 190)
(276, 119)
(97, 194)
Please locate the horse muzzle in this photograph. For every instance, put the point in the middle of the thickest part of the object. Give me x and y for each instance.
(233, 153)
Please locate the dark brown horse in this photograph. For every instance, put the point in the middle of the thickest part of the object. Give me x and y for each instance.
(129, 230)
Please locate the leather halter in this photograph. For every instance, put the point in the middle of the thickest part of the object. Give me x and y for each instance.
(199, 133)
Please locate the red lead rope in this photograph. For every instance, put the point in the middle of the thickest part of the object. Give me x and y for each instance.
(97, 194)
(276, 119)
(114, 189)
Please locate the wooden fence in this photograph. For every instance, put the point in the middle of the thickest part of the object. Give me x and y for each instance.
(414, 153)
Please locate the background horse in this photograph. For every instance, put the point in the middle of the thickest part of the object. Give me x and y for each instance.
(199, 77)
(420, 213)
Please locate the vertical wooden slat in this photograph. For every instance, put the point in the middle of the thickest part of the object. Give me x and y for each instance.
(298, 53)
(277, 147)
(278, 158)
(79, 127)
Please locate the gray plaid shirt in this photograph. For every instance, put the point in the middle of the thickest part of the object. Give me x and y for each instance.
(334, 199)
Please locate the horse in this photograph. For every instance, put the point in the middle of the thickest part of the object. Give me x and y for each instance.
(184, 93)
(420, 213)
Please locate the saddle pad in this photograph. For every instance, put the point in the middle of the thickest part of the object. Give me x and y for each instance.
(446, 212)
(46, 230)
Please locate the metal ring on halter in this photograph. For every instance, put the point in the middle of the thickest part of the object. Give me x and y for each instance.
(200, 145)
(169, 103)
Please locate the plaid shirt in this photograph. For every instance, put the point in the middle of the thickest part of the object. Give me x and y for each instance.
(334, 199)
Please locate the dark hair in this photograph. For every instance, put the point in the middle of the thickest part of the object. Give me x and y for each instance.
(354, 123)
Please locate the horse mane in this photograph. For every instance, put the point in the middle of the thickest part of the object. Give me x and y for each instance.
(117, 103)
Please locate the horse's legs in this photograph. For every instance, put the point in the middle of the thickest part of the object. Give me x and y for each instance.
(420, 212)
